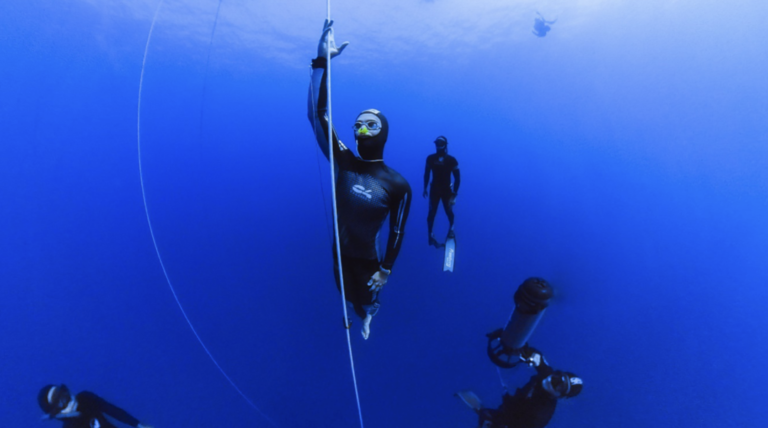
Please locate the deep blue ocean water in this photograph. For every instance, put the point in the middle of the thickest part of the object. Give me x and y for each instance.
(623, 157)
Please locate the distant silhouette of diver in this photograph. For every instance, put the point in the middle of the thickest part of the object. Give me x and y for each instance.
(441, 165)
(540, 27)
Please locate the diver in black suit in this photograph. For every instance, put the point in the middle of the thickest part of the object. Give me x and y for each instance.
(442, 166)
(84, 410)
(367, 191)
(540, 27)
(533, 405)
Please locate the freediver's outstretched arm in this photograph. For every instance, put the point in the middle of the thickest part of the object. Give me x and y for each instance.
(427, 169)
(317, 109)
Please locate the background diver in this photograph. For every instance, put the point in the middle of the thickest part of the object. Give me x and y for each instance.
(540, 27)
(532, 405)
(442, 165)
(367, 190)
(84, 410)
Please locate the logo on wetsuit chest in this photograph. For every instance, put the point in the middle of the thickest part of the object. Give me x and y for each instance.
(360, 190)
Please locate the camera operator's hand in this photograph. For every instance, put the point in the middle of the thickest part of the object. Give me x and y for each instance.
(530, 356)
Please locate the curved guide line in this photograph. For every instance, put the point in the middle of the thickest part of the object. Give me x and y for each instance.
(154, 241)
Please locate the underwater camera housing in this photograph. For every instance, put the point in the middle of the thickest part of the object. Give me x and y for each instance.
(531, 300)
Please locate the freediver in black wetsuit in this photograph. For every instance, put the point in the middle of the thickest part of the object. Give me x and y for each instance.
(442, 165)
(84, 410)
(540, 27)
(367, 190)
(533, 405)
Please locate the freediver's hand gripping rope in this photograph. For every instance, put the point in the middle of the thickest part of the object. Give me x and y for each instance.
(328, 38)
(152, 233)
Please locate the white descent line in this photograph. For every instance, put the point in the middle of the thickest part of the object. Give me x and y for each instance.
(152, 233)
(336, 216)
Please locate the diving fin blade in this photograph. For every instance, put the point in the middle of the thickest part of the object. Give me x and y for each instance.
(450, 255)
(470, 399)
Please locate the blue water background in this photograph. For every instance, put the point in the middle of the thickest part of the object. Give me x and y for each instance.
(623, 157)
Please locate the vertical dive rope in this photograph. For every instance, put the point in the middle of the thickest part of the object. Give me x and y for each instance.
(152, 233)
(336, 215)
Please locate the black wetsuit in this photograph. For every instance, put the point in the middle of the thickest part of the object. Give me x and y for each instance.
(92, 410)
(530, 407)
(366, 192)
(442, 166)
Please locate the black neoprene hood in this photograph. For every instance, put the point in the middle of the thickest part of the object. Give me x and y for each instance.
(372, 148)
